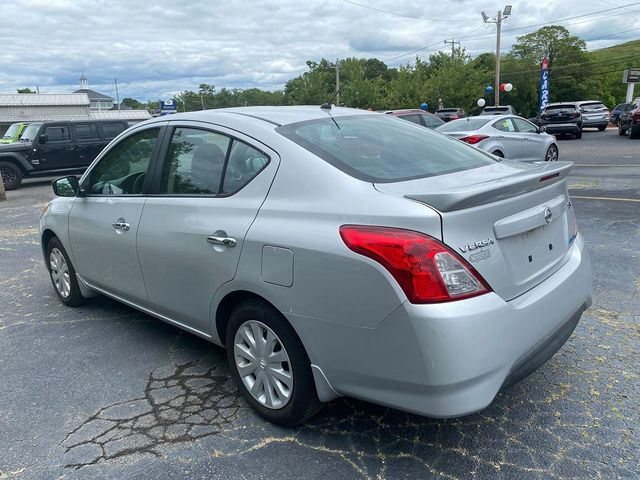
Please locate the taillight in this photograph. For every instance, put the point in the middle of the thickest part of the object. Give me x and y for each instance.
(454, 117)
(426, 269)
(473, 139)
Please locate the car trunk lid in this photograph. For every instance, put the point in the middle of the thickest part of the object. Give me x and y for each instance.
(512, 222)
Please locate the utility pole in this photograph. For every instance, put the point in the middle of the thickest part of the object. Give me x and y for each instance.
(337, 81)
(3, 194)
(115, 81)
(453, 46)
(498, 21)
(202, 101)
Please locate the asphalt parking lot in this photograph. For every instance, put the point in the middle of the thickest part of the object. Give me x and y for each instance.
(104, 391)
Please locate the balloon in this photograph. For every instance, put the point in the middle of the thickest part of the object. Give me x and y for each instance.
(481, 102)
(508, 87)
(488, 89)
(424, 106)
(502, 85)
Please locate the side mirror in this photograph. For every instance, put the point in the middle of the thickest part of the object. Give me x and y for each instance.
(44, 138)
(66, 186)
(542, 129)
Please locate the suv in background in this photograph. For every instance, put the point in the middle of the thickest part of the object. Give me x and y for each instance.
(448, 114)
(617, 110)
(52, 148)
(629, 121)
(415, 115)
(561, 118)
(13, 133)
(499, 110)
(594, 114)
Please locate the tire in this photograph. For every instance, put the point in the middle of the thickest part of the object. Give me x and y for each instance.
(63, 275)
(578, 135)
(634, 132)
(621, 131)
(602, 128)
(11, 175)
(253, 319)
(552, 154)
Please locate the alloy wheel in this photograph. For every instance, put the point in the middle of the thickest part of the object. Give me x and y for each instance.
(552, 154)
(8, 176)
(60, 273)
(263, 364)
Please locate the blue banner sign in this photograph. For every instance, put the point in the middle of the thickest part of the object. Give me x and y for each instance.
(544, 83)
(168, 107)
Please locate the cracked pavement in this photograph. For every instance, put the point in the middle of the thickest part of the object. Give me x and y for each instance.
(105, 392)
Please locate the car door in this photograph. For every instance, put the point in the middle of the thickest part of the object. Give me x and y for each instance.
(88, 142)
(55, 149)
(104, 219)
(191, 234)
(509, 137)
(534, 144)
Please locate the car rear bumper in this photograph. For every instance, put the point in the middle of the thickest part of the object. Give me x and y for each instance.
(452, 359)
(561, 127)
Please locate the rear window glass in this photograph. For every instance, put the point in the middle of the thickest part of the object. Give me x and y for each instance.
(447, 110)
(592, 106)
(560, 107)
(464, 124)
(377, 148)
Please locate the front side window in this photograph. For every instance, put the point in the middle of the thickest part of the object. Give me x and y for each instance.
(376, 148)
(195, 162)
(30, 132)
(525, 126)
(431, 121)
(413, 118)
(57, 133)
(123, 169)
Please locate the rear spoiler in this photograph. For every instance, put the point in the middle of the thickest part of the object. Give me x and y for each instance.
(494, 190)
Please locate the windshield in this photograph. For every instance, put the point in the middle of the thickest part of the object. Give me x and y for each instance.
(11, 131)
(464, 124)
(29, 134)
(377, 148)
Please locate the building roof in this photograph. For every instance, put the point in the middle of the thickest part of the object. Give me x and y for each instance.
(120, 115)
(43, 99)
(95, 96)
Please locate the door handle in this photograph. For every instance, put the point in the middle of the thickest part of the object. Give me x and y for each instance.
(121, 224)
(220, 240)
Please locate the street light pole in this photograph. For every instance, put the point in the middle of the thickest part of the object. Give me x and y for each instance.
(338, 82)
(498, 21)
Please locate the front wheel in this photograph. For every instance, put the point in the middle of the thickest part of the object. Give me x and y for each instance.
(63, 275)
(11, 175)
(270, 365)
(552, 154)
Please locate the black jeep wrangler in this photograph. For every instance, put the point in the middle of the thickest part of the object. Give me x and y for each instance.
(54, 148)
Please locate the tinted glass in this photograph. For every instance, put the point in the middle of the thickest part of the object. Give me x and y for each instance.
(464, 124)
(413, 118)
(30, 132)
(593, 106)
(377, 148)
(245, 162)
(431, 121)
(86, 132)
(12, 130)
(557, 108)
(195, 162)
(57, 133)
(525, 126)
(504, 125)
(447, 110)
(122, 170)
(112, 130)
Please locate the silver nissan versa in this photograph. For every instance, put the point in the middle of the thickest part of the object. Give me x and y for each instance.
(332, 252)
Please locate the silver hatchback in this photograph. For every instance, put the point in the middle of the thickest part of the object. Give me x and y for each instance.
(331, 252)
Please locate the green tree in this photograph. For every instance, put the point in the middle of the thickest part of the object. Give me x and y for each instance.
(25, 90)
(554, 42)
(133, 103)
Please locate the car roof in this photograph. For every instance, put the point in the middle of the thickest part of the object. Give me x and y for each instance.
(448, 109)
(406, 110)
(278, 115)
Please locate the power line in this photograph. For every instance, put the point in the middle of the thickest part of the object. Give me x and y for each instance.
(404, 15)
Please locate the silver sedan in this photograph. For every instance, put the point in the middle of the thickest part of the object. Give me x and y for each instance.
(331, 252)
(507, 136)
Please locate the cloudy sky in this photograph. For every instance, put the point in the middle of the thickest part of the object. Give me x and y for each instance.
(157, 48)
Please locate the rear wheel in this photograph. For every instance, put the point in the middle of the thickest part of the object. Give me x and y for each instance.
(634, 131)
(270, 365)
(11, 175)
(621, 131)
(552, 154)
(579, 135)
(602, 128)
(63, 275)
(498, 153)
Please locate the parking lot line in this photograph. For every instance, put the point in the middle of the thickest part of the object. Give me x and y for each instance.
(614, 199)
(608, 165)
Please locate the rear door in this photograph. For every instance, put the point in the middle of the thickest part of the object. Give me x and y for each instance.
(207, 193)
(88, 142)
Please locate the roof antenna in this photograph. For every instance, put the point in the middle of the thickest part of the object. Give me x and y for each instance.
(327, 105)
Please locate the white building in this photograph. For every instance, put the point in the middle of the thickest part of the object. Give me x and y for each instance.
(98, 100)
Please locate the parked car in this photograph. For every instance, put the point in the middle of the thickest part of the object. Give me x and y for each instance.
(617, 110)
(500, 110)
(508, 136)
(561, 118)
(50, 148)
(594, 114)
(331, 253)
(448, 114)
(13, 133)
(418, 116)
(629, 121)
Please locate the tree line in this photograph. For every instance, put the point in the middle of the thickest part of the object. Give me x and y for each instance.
(455, 80)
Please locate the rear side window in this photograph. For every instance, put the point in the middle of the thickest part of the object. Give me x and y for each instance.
(431, 121)
(57, 133)
(245, 162)
(376, 148)
(86, 132)
(504, 125)
(112, 129)
(413, 118)
(464, 124)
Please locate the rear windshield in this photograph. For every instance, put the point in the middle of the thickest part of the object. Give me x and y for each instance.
(447, 110)
(380, 148)
(496, 109)
(464, 124)
(560, 107)
(592, 106)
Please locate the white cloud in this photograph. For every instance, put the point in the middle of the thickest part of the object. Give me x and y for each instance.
(162, 47)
